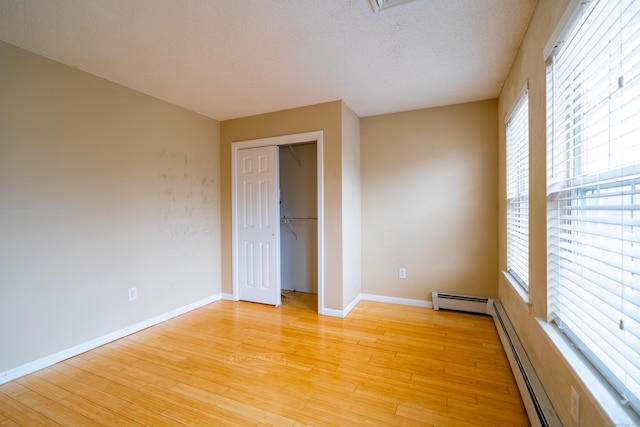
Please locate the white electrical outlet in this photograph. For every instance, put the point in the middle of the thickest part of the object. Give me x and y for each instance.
(133, 293)
(402, 273)
(575, 406)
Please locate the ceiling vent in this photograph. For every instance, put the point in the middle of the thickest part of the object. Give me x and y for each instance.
(379, 5)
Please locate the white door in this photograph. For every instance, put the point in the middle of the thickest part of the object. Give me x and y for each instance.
(258, 225)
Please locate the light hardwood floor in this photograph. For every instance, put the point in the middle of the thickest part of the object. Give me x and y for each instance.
(235, 363)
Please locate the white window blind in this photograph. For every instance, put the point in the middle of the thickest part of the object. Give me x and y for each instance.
(593, 188)
(518, 192)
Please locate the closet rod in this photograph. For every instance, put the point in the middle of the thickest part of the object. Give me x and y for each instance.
(292, 219)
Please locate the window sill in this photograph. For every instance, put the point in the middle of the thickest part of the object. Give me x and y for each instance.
(601, 391)
(519, 290)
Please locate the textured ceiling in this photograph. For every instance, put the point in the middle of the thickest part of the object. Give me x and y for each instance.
(235, 58)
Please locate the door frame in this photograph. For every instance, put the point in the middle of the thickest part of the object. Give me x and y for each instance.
(299, 138)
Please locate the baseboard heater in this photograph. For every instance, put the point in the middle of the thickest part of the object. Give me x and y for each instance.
(466, 303)
(537, 403)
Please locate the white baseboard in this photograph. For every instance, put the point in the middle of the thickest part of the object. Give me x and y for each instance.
(341, 313)
(52, 359)
(332, 313)
(352, 305)
(396, 300)
(378, 298)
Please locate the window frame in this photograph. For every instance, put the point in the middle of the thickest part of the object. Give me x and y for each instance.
(517, 202)
(577, 185)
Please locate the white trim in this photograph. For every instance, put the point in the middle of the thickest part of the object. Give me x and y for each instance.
(519, 100)
(396, 300)
(342, 313)
(314, 136)
(52, 359)
(572, 13)
(332, 313)
(518, 289)
(378, 298)
(320, 179)
(352, 305)
(593, 382)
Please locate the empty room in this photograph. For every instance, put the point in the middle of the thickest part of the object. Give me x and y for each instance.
(354, 212)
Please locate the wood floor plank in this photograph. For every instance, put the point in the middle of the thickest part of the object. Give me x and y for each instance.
(241, 408)
(22, 414)
(54, 410)
(112, 388)
(198, 418)
(102, 375)
(13, 389)
(96, 412)
(95, 395)
(149, 418)
(486, 413)
(399, 393)
(127, 374)
(45, 388)
(242, 364)
(187, 408)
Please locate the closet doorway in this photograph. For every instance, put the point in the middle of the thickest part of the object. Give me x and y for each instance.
(298, 218)
(297, 268)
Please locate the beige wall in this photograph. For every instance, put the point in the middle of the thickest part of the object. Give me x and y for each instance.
(101, 189)
(351, 211)
(554, 371)
(429, 201)
(326, 117)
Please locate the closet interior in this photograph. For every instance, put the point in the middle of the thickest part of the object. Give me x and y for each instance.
(299, 217)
